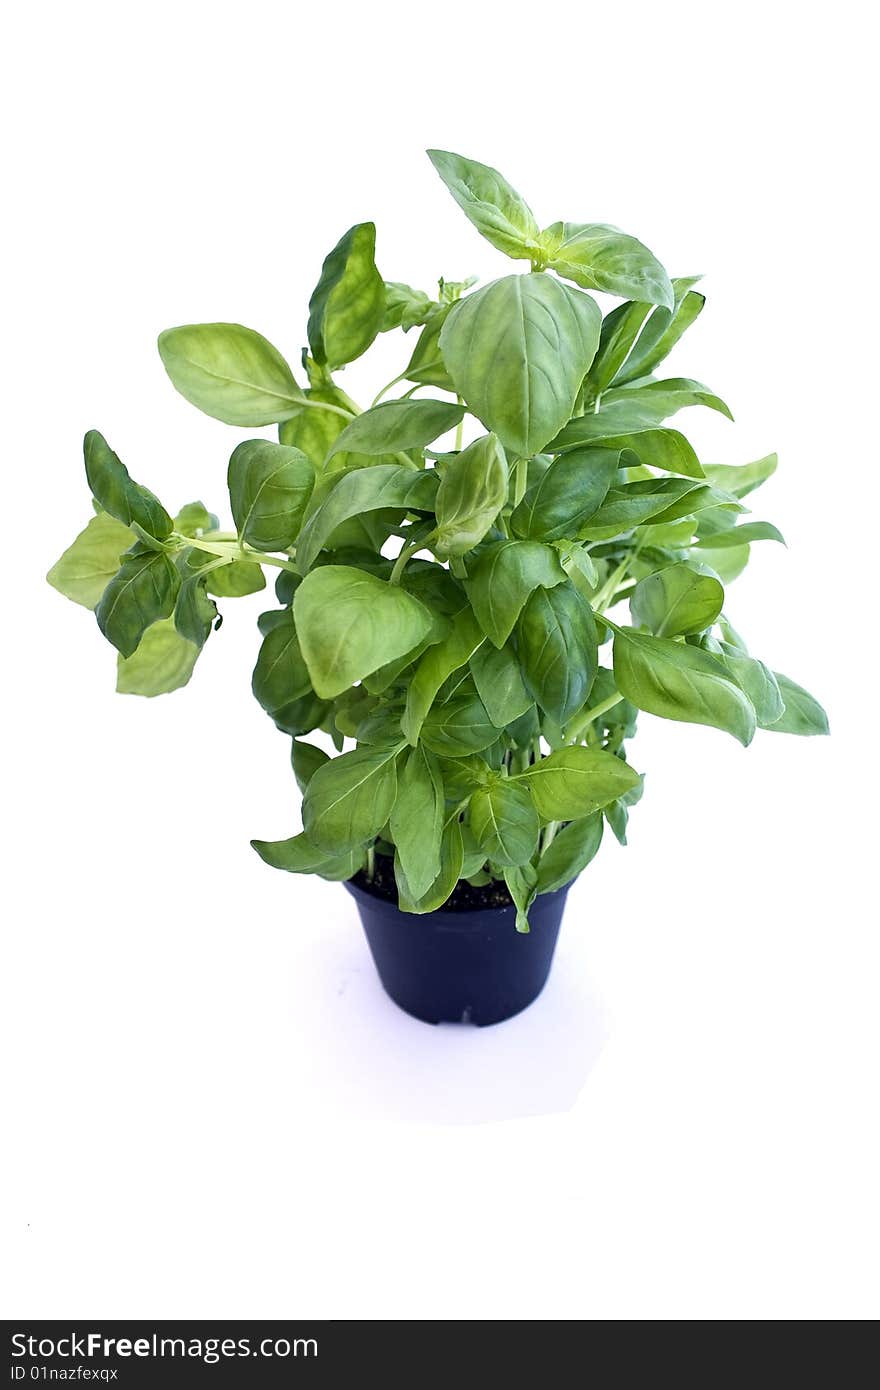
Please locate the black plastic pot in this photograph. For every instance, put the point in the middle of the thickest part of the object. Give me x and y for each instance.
(461, 967)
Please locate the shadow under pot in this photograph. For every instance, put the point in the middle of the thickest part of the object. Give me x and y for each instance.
(461, 966)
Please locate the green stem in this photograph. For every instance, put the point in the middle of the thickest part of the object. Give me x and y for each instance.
(575, 731)
(459, 429)
(325, 405)
(387, 387)
(549, 835)
(407, 551)
(605, 597)
(232, 550)
(520, 480)
(371, 863)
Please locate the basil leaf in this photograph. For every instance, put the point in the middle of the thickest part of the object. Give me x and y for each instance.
(235, 580)
(405, 307)
(451, 861)
(140, 594)
(619, 331)
(348, 304)
(501, 580)
(280, 681)
(522, 881)
(472, 491)
(569, 852)
(85, 569)
(351, 623)
(505, 822)
(558, 650)
(269, 486)
(115, 491)
(575, 781)
(599, 257)
(665, 449)
(305, 759)
(652, 403)
(383, 485)
(630, 505)
(675, 601)
(680, 682)
(349, 799)
(518, 351)
(230, 372)
(426, 366)
(194, 613)
(803, 714)
(740, 480)
(396, 425)
(458, 726)
(566, 495)
(315, 431)
(753, 678)
(417, 820)
(490, 203)
(163, 661)
(662, 331)
(617, 813)
(499, 683)
(742, 535)
(435, 666)
(299, 855)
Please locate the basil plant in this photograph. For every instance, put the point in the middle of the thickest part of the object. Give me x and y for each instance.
(475, 626)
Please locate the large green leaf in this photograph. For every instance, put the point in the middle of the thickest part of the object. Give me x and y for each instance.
(566, 495)
(620, 329)
(116, 492)
(438, 663)
(558, 650)
(143, 591)
(163, 661)
(803, 714)
(350, 798)
(85, 569)
(680, 682)
(499, 683)
(675, 601)
(599, 257)
(505, 822)
(665, 449)
(633, 503)
(417, 820)
(472, 491)
(230, 372)
(576, 781)
(487, 199)
(740, 480)
(281, 680)
(745, 534)
(300, 855)
(384, 485)
(652, 403)
(305, 759)
(347, 307)
(755, 679)
(269, 486)
(502, 578)
(451, 859)
(396, 425)
(350, 623)
(405, 307)
(426, 366)
(460, 725)
(569, 853)
(194, 612)
(518, 351)
(662, 331)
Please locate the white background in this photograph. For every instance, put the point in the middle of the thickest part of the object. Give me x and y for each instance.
(213, 1110)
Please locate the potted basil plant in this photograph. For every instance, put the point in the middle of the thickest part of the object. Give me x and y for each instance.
(480, 581)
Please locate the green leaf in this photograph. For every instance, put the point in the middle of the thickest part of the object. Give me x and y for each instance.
(505, 822)
(439, 662)
(87, 566)
(163, 661)
(680, 682)
(569, 852)
(522, 881)
(405, 307)
(417, 820)
(617, 813)
(558, 650)
(350, 623)
(652, 403)
(313, 431)
(518, 351)
(348, 304)
(115, 491)
(299, 855)
(236, 580)
(194, 519)
(349, 799)
(140, 594)
(451, 860)
(501, 580)
(662, 331)
(566, 495)
(384, 485)
(742, 535)
(620, 329)
(472, 491)
(755, 680)
(803, 714)
(675, 601)
(599, 257)
(633, 503)
(665, 449)
(305, 759)
(499, 683)
(426, 366)
(397, 425)
(575, 781)
(487, 199)
(460, 725)
(230, 372)
(740, 480)
(194, 613)
(280, 681)
(269, 486)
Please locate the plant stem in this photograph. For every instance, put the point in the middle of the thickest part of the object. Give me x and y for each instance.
(520, 479)
(574, 731)
(605, 596)
(386, 388)
(459, 429)
(325, 405)
(371, 863)
(232, 550)
(400, 563)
